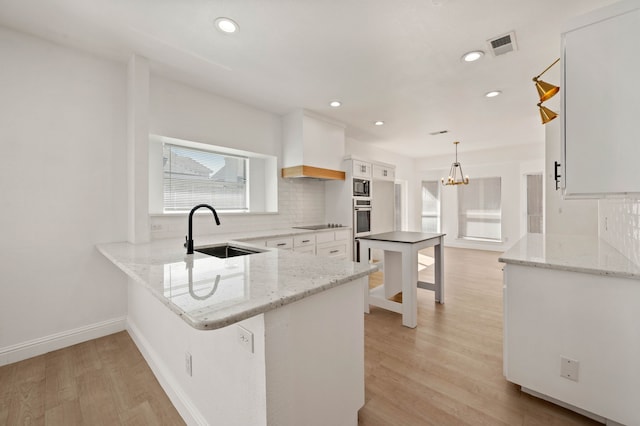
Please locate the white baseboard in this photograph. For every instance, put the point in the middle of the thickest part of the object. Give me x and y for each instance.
(585, 413)
(190, 414)
(53, 342)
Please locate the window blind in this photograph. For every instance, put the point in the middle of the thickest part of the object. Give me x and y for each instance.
(193, 176)
(430, 206)
(479, 209)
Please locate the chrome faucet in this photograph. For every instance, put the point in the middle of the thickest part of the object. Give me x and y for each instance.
(189, 243)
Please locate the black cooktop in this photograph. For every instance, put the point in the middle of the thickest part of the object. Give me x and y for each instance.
(323, 226)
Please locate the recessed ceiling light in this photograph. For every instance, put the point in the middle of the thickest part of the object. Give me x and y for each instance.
(493, 93)
(379, 123)
(226, 25)
(335, 104)
(472, 56)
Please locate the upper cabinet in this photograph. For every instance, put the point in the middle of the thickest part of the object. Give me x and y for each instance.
(600, 103)
(361, 169)
(384, 172)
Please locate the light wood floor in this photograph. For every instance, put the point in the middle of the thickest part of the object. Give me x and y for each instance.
(447, 371)
(101, 382)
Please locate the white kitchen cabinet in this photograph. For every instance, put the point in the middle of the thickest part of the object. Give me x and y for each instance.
(285, 243)
(552, 314)
(305, 243)
(361, 169)
(334, 244)
(384, 172)
(600, 103)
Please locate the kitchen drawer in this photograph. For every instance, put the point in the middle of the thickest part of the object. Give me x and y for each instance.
(281, 243)
(304, 240)
(306, 249)
(332, 250)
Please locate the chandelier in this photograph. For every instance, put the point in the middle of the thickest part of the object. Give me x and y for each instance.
(456, 177)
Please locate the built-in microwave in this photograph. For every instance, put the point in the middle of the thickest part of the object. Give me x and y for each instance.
(361, 188)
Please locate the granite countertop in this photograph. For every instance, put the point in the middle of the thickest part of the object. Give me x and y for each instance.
(210, 293)
(575, 253)
(402, 237)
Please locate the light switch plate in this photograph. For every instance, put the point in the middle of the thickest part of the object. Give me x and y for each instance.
(569, 368)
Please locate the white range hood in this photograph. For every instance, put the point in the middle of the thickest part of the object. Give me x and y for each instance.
(313, 146)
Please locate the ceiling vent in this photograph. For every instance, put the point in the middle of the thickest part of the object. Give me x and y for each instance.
(503, 44)
(439, 132)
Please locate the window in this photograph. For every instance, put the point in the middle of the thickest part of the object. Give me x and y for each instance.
(534, 204)
(479, 209)
(193, 176)
(430, 206)
(183, 174)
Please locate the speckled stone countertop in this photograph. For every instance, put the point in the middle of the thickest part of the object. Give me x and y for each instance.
(571, 253)
(210, 293)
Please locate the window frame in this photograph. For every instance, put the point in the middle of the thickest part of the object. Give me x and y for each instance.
(462, 235)
(262, 177)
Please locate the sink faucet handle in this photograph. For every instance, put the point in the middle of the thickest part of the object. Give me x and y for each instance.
(186, 240)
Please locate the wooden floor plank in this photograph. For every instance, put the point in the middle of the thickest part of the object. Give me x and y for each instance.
(448, 370)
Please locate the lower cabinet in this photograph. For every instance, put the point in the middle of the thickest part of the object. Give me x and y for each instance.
(555, 317)
(305, 243)
(335, 244)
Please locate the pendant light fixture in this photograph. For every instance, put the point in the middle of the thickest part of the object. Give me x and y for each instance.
(456, 177)
(546, 91)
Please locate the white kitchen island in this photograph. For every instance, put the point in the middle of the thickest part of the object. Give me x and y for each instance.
(401, 271)
(575, 298)
(273, 338)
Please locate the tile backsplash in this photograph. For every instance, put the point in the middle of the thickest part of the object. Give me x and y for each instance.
(300, 202)
(619, 225)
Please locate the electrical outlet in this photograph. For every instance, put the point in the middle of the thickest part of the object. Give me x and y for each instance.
(569, 368)
(188, 363)
(245, 338)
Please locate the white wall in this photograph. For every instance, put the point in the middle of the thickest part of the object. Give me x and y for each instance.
(619, 225)
(510, 164)
(184, 112)
(63, 186)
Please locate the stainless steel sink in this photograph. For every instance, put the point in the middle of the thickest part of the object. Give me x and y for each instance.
(225, 250)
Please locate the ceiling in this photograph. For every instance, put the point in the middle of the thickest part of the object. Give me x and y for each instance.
(391, 60)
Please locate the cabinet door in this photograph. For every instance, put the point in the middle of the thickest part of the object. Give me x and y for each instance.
(601, 100)
(305, 249)
(361, 169)
(337, 250)
(383, 172)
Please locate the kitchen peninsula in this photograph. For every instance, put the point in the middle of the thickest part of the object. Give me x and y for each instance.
(275, 337)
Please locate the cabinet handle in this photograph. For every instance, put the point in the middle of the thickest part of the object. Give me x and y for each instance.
(334, 251)
(281, 244)
(384, 173)
(305, 241)
(557, 176)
